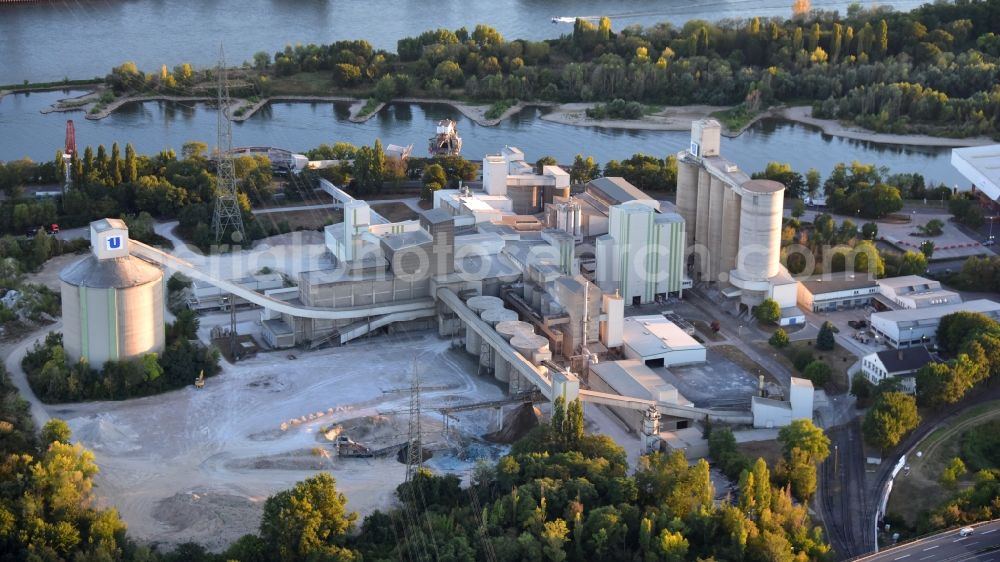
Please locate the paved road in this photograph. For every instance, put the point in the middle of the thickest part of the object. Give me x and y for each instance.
(983, 545)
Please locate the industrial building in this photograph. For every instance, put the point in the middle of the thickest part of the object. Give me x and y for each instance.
(827, 292)
(112, 302)
(918, 326)
(733, 226)
(497, 272)
(913, 291)
(900, 364)
(979, 165)
(768, 412)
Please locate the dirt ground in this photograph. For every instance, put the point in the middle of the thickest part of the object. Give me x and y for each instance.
(312, 219)
(49, 275)
(395, 212)
(197, 465)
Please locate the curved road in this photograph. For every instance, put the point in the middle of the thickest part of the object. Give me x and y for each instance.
(983, 545)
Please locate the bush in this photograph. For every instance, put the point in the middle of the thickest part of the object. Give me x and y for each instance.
(801, 358)
(818, 372)
(768, 311)
(779, 339)
(981, 446)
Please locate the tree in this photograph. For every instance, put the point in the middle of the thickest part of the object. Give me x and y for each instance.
(798, 208)
(194, 150)
(779, 339)
(768, 311)
(952, 472)
(805, 436)
(825, 340)
(583, 169)
(869, 230)
(55, 430)
(544, 161)
(913, 263)
(818, 372)
(927, 248)
(892, 417)
(434, 179)
(799, 471)
(309, 521)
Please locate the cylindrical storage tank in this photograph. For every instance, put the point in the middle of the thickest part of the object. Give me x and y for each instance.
(511, 328)
(112, 309)
(501, 368)
(528, 345)
(479, 304)
(495, 316)
(687, 196)
(472, 341)
(760, 229)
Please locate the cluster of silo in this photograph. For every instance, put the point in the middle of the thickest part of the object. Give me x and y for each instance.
(488, 358)
(516, 333)
(473, 343)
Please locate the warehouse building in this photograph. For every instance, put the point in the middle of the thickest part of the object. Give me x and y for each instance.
(836, 291)
(913, 291)
(918, 326)
(658, 342)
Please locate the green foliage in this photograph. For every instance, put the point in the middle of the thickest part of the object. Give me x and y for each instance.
(55, 430)
(498, 108)
(802, 434)
(951, 473)
(967, 212)
(934, 227)
(825, 340)
(779, 338)
(722, 449)
(819, 372)
(782, 173)
(981, 446)
(869, 230)
(310, 521)
(862, 389)
(645, 172)
(584, 169)
(616, 109)
(890, 419)
(54, 379)
(801, 358)
(768, 311)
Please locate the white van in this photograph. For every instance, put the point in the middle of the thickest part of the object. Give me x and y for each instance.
(965, 531)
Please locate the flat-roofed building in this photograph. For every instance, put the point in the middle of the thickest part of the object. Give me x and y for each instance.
(981, 166)
(659, 342)
(913, 291)
(631, 377)
(836, 291)
(918, 326)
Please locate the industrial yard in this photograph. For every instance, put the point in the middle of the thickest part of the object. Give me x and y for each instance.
(197, 465)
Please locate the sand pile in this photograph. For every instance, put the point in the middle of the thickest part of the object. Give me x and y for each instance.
(209, 517)
(104, 432)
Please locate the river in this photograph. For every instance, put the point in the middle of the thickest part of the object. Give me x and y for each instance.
(153, 126)
(54, 39)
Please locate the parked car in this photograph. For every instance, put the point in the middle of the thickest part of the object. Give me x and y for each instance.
(53, 228)
(989, 242)
(857, 324)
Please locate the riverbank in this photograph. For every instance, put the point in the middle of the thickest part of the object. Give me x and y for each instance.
(803, 114)
(676, 118)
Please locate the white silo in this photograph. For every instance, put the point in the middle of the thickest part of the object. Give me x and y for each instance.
(760, 238)
(112, 302)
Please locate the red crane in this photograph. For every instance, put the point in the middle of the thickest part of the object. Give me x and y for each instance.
(70, 138)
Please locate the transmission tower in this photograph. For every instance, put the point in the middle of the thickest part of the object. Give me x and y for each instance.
(228, 217)
(414, 447)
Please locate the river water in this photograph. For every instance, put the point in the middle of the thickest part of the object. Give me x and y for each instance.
(153, 126)
(53, 39)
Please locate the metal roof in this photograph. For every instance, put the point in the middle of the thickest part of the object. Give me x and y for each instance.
(981, 166)
(618, 189)
(936, 312)
(113, 273)
(835, 282)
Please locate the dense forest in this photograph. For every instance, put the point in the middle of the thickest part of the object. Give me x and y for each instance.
(932, 70)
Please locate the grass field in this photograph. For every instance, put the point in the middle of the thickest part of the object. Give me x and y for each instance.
(921, 489)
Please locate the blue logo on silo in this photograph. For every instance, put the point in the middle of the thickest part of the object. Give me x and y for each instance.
(114, 242)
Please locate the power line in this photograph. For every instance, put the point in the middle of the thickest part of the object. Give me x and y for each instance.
(228, 217)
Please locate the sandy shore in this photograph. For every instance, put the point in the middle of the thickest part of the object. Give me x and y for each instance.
(803, 114)
(677, 118)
